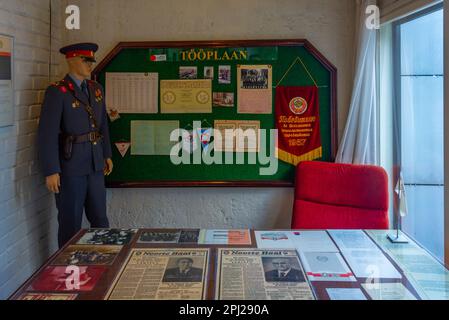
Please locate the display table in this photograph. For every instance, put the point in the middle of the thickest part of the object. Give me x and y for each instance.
(101, 265)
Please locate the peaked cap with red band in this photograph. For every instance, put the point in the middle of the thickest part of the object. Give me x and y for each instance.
(86, 50)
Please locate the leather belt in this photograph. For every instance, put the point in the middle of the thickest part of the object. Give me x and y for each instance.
(92, 136)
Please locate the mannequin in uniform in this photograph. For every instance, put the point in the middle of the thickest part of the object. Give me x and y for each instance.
(73, 143)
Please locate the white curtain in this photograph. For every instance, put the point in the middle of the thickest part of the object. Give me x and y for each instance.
(359, 144)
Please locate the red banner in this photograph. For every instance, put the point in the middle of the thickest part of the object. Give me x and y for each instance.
(298, 124)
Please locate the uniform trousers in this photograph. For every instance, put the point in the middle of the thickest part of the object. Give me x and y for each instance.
(77, 194)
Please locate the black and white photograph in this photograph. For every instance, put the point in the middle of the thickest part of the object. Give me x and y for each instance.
(159, 237)
(282, 269)
(223, 99)
(187, 73)
(184, 269)
(87, 255)
(107, 236)
(189, 236)
(224, 74)
(209, 72)
(254, 78)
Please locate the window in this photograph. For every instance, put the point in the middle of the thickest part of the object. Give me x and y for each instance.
(418, 42)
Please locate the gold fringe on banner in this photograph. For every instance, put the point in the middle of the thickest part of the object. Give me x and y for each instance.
(294, 160)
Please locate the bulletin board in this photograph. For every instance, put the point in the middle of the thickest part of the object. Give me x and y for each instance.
(292, 63)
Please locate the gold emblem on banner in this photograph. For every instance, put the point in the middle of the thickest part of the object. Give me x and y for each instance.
(298, 105)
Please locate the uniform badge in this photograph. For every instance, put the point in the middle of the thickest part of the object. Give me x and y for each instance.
(75, 104)
(98, 95)
(113, 114)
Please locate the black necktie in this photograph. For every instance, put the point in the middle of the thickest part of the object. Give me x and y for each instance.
(84, 89)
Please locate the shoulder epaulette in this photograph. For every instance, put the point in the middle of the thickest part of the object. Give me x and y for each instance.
(56, 84)
(63, 85)
(92, 83)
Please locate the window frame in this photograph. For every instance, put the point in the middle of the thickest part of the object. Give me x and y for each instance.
(397, 91)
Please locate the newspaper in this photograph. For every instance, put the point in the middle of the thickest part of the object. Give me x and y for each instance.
(255, 274)
(107, 236)
(48, 296)
(162, 274)
(84, 255)
(170, 236)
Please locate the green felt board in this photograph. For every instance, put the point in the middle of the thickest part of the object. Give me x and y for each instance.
(159, 168)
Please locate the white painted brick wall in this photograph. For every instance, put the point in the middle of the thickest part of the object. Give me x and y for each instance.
(28, 222)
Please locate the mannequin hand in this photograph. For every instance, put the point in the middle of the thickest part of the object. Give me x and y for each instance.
(108, 165)
(53, 183)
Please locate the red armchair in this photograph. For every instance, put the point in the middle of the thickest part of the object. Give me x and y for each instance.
(340, 196)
